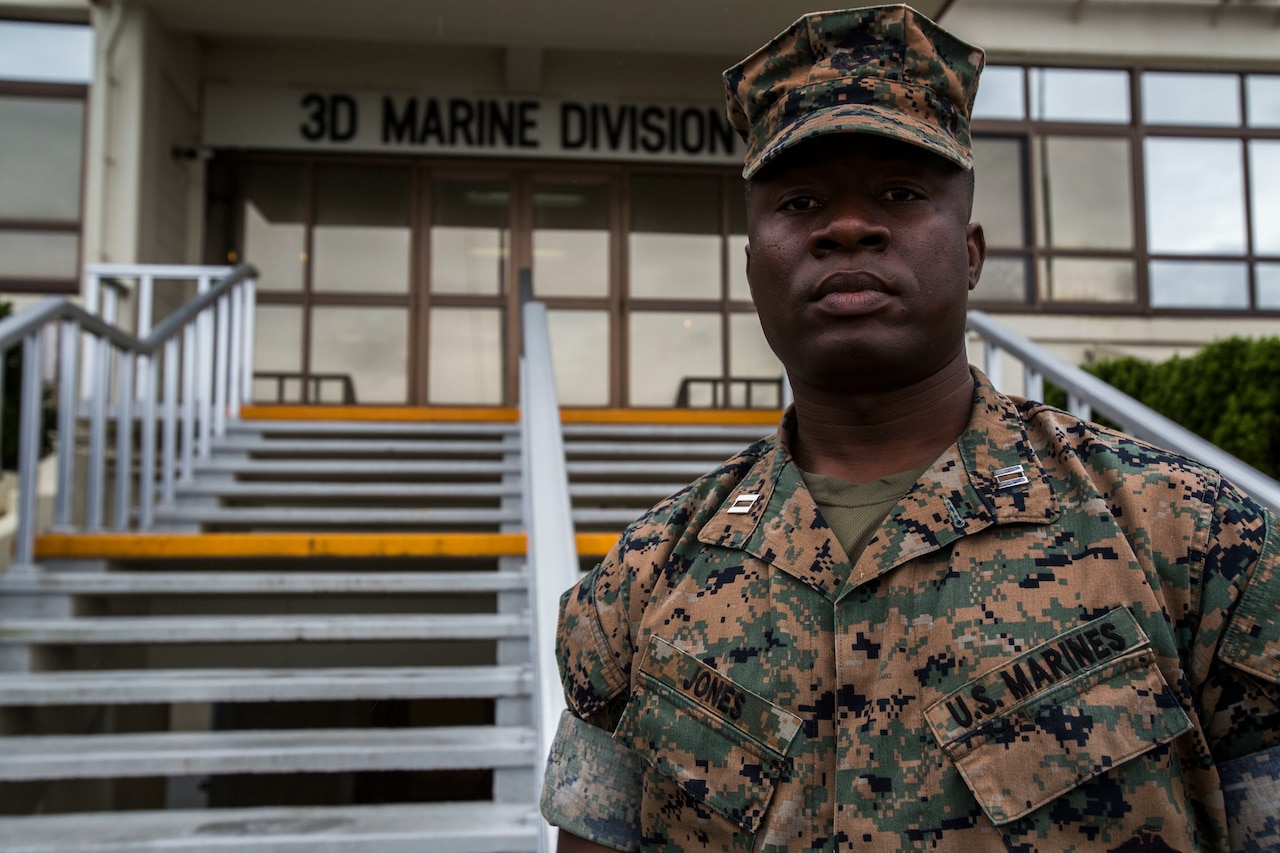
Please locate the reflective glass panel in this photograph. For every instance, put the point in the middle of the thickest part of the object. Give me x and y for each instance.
(1074, 94)
(1191, 98)
(1262, 99)
(277, 349)
(675, 237)
(49, 53)
(1268, 278)
(38, 254)
(274, 196)
(1001, 95)
(580, 353)
(1004, 279)
(1090, 280)
(361, 238)
(668, 347)
(465, 356)
(1086, 189)
(1195, 196)
(41, 148)
(571, 240)
(371, 345)
(469, 236)
(1199, 284)
(1264, 194)
(753, 368)
(998, 190)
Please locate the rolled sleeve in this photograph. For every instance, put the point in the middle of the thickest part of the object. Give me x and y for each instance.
(592, 785)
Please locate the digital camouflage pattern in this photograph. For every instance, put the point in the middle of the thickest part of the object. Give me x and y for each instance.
(1054, 664)
(884, 70)
(1251, 785)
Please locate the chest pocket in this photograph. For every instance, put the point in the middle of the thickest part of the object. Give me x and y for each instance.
(1058, 715)
(723, 745)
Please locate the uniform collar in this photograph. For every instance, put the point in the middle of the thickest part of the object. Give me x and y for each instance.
(975, 483)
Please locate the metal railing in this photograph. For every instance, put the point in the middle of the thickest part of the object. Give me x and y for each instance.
(552, 551)
(720, 387)
(1087, 394)
(164, 393)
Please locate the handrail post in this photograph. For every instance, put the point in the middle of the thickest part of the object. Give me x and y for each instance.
(249, 293)
(28, 448)
(67, 380)
(169, 428)
(145, 393)
(221, 362)
(189, 362)
(97, 475)
(124, 439)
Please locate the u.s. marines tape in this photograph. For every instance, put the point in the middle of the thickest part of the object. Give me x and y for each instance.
(1063, 712)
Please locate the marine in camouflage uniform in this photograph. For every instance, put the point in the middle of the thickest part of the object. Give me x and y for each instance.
(1059, 637)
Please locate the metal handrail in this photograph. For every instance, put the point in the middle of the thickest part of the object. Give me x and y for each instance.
(552, 551)
(134, 382)
(1087, 394)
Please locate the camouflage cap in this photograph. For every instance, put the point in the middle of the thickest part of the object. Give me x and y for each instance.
(883, 70)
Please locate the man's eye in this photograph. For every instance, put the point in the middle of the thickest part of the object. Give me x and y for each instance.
(800, 202)
(899, 194)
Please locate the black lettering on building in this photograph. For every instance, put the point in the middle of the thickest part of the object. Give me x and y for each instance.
(331, 117)
(573, 126)
(722, 134)
(461, 115)
(652, 139)
(526, 123)
(693, 134)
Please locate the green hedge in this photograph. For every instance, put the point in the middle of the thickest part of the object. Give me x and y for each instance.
(1228, 393)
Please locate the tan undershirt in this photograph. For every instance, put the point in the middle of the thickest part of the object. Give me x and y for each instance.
(855, 510)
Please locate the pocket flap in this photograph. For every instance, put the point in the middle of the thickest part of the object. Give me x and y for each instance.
(724, 745)
(1058, 715)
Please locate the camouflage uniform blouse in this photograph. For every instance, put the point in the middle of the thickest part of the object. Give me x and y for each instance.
(1046, 646)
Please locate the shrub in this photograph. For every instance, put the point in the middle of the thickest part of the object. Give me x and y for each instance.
(1228, 394)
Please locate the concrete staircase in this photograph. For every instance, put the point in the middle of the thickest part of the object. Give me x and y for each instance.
(296, 702)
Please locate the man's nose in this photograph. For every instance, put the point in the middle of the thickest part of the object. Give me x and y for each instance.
(849, 224)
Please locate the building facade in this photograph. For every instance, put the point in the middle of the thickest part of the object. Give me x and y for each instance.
(392, 167)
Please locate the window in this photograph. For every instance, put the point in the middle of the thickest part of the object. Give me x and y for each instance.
(1115, 189)
(43, 71)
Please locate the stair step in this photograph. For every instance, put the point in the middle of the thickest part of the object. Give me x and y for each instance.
(744, 433)
(257, 583)
(277, 751)
(463, 827)
(365, 469)
(281, 628)
(266, 490)
(712, 453)
(326, 517)
(363, 447)
(118, 687)
(466, 429)
(617, 471)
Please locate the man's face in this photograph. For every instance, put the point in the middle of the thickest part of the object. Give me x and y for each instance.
(860, 259)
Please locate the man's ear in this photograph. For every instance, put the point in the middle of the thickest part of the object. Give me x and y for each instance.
(976, 242)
